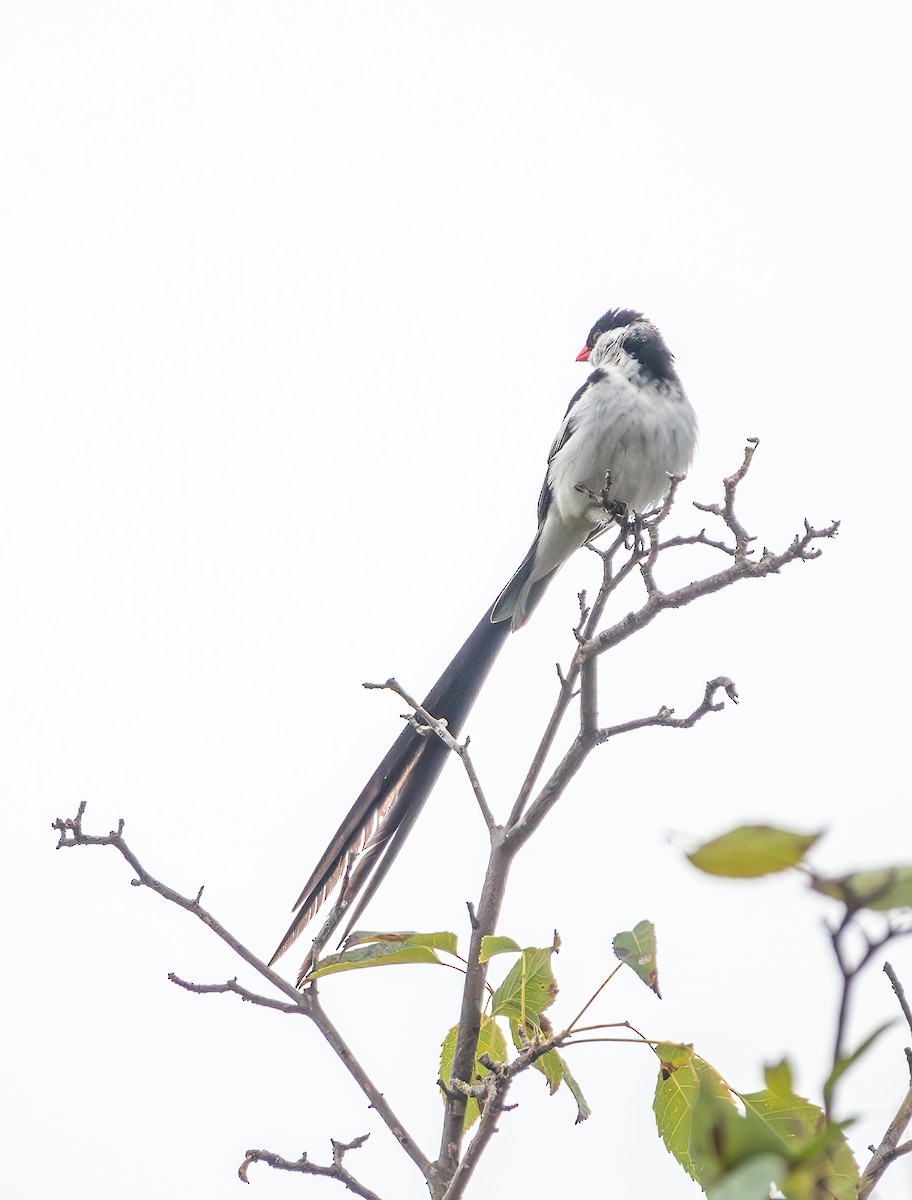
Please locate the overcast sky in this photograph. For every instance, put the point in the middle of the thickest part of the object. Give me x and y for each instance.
(291, 298)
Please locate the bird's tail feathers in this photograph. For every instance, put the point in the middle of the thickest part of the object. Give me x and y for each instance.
(521, 595)
(370, 837)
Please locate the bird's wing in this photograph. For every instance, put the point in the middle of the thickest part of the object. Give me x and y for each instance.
(518, 598)
(563, 436)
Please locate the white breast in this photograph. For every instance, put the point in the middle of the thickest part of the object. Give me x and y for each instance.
(639, 433)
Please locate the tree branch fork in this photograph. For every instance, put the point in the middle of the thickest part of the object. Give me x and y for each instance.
(636, 548)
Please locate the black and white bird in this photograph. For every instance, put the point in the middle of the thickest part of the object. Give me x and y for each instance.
(630, 424)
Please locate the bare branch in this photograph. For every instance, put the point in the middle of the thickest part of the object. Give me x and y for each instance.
(443, 1170)
(589, 696)
(463, 752)
(665, 718)
(727, 510)
(612, 576)
(697, 539)
(71, 834)
(849, 972)
(802, 549)
(232, 985)
(440, 728)
(519, 827)
(377, 1100)
(582, 744)
(634, 552)
(611, 580)
(888, 1150)
(652, 531)
(900, 993)
(595, 995)
(304, 1167)
(573, 1040)
(578, 629)
(491, 1094)
(564, 699)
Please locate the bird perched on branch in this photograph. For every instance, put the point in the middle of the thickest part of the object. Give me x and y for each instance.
(630, 424)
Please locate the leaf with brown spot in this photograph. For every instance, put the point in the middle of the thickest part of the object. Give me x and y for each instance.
(637, 949)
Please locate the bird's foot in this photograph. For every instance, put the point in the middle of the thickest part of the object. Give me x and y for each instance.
(616, 510)
(632, 527)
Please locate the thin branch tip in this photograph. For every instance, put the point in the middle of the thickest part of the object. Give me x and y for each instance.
(304, 1166)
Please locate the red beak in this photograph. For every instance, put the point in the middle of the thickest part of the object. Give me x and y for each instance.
(583, 355)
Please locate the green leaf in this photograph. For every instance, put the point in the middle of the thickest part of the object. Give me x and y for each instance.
(434, 941)
(689, 1087)
(497, 945)
(750, 1180)
(790, 1118)
(554, 1067)
(820, 1160)
(832, 1171)
(723, 1139)
(491, 1041)
(675, 1099)
(779, 1077)
(551, 1066)
(529, 988)
(828, 1168)
(752, 850)
(780, 1139)
(583, 1111)
(881, 890)
(637, 948)
(847, 1060)
(382, 955)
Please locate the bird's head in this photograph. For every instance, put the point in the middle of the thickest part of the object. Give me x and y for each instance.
(625, 331)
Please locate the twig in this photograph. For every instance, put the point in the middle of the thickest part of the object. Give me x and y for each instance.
(491, 1094)
(589, 696)
(595, 995)
(448, 1176)
(697, 539)
(611, 579)
(430, 724)
(582, 744)
(232, 985)
(802, 549)
(900, 993)
(377, 1100)
(71, 834)
(665, 718)
(304, 1167)
(727, 510)
(520, 824)
(572, 1040)
(889, 1149)
(440, 728)
(652, 530)
(442, 1171)
(640, 1037)
(849, 972)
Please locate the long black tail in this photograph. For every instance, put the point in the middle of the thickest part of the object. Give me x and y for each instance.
(372, 834)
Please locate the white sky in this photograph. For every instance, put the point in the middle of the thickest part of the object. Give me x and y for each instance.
(292, 297)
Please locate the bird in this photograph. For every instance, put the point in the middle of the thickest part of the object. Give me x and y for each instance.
(626, 432)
